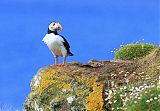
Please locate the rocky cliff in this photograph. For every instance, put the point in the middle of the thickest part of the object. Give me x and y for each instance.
(99, 85)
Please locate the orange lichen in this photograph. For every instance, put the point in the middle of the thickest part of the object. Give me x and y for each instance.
(94, 101)
(88, 81)
(50, 78)
(66, 86)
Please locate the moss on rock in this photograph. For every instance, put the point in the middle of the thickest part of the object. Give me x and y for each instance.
(134, 51)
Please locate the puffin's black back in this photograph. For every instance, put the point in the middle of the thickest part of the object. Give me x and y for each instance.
(66, 45)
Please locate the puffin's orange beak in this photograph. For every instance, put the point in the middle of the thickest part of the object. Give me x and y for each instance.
(59, 27)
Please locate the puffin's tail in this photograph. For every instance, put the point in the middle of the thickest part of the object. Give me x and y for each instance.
(70, 54)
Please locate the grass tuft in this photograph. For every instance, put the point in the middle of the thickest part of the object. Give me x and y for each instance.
(134, 51)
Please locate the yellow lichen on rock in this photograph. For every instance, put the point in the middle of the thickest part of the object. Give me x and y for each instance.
(50, 78)
(54, 78)
(88, 81)
(46, 80)
(94, 101)
(66, 86)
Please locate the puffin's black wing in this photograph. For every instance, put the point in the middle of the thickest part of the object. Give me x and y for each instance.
(65, 43)
(67, 46)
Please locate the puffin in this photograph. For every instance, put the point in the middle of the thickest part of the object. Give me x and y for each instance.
(56, 43)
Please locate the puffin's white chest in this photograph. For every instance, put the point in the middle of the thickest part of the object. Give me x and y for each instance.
(55, 44)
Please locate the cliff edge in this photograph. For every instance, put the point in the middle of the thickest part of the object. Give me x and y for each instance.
(99, 85)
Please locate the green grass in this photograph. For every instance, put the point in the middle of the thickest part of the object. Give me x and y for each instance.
(134, 51)
(136, 97)
(149, 101)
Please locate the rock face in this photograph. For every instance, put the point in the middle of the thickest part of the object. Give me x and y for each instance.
(81, 87)
(75, 87)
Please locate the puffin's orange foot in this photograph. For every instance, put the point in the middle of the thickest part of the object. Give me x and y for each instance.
(60, 64)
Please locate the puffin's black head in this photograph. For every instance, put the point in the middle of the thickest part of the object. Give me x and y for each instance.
(54, 26)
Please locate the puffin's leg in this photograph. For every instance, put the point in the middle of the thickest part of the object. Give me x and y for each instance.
(56, 60)
(64, 55)
(64, 60)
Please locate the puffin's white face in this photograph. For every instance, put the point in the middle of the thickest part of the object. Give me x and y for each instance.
(54, 26)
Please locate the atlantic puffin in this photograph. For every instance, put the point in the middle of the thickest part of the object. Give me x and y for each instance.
(57, 44)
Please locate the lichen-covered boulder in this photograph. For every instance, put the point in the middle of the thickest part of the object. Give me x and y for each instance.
(75, 87)
(97, 86)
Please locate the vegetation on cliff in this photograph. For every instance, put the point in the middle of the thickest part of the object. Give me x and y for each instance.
(130, 85)
(134, 51)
